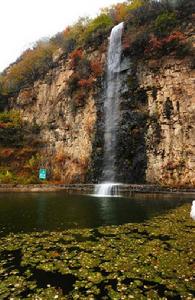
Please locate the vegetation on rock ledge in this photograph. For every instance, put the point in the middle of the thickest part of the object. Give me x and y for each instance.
(19, 160)
(147, 22)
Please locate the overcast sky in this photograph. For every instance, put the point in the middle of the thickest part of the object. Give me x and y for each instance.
(23, 22)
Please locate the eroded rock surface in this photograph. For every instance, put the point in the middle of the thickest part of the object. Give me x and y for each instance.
(171, 125)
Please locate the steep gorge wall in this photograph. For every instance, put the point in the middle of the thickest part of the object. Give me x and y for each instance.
(170, 136)
(65, 131)
(156, 136)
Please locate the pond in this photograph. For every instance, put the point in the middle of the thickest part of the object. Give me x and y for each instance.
(28, 212)
(57, 246)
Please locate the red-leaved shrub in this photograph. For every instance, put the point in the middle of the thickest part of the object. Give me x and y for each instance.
(96, 68)
(86, 82)
(168, 43)
(75, 56)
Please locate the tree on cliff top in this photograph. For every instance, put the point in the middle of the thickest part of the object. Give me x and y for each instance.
(31, 64)
(86, 33)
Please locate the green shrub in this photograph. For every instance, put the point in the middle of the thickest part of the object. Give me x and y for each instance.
(96, 30)
(164, 23)
(7, 177)
(101, 22)
(10, 118)
(66, 43)
(72, 36)
(28, 179)
(33, 163)
(144, 14)
(69, 45)
(77, 31)
(120, 11)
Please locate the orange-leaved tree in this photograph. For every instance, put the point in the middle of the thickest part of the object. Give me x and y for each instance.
(31, 64)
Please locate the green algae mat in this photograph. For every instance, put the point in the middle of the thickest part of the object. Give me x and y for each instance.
(152, 260)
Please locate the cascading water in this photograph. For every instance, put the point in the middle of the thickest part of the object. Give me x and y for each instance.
(107, 189)
(112, 112)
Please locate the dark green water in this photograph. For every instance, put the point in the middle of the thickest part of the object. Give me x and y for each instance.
(27, 212)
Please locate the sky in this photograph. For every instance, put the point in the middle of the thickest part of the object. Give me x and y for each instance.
(23, 22)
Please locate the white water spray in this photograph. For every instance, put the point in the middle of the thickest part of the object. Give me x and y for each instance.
(107, 189)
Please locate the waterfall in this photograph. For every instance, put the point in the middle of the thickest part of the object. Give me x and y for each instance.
(111, 110)
(107, 189)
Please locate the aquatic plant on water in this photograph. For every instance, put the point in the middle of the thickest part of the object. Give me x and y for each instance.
(152, 260)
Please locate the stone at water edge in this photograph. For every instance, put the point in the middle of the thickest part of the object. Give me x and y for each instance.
(192, 213)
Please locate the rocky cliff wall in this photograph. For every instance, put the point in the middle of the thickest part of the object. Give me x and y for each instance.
(156, 135)
(65, 129)
(170, 136)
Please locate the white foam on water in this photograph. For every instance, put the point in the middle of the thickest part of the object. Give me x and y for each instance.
(107, 189)
(192, 213)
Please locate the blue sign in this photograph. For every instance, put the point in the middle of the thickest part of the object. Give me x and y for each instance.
(42, 174)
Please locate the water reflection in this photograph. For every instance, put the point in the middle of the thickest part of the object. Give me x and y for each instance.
(41, 210)
(25, 212)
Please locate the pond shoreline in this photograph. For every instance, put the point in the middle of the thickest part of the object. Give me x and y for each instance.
(89, 188)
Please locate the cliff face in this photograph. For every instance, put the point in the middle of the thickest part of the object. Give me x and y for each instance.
(170, 136)
(156, 136)
(65, 130)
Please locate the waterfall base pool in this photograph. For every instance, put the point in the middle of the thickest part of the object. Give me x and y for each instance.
(28, 212)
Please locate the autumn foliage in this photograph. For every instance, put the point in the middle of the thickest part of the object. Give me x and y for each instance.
(170, 43)
(75, 56)
(151, 22)
(121, 10)
(86, 82)
(31, 64)
(96, 67)
(84, 79)
(6, 152)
